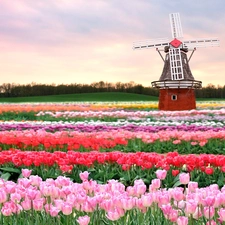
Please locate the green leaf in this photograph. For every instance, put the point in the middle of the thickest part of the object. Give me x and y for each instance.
(5, 176)
(178, 183)
(220, 182)
(20, 176)
(10, 169)
(91, 169)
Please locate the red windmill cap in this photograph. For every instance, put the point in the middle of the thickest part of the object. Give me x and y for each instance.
(175, 43)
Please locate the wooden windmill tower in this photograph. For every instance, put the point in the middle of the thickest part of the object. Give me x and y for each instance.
(176, 84)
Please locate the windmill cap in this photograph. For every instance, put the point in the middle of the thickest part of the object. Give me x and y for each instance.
(175, 43)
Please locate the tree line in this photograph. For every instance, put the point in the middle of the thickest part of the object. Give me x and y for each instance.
(34, 89)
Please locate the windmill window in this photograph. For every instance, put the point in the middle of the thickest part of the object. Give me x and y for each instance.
(185, 61)
(174, 97)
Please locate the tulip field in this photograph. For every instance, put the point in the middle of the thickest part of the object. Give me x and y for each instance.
(106, 163)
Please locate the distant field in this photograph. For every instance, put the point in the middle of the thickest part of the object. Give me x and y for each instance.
(100, 96)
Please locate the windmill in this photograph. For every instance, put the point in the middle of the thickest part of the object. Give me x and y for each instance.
(176, 83)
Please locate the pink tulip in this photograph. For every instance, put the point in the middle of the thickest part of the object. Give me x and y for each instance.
(214, 187)
(166, 209)
(15, 197)
(184, 178)
(127, 203)
(147, 200)
(155, 184)
(38, 204)
(209, 212)
(194, 143)
(54, 192)
(107, 205)
(53, 211)
(62, 181)
(2, 182)
(211, 222)
(26, 172)
(77, 206)
(173, 215)
(130, 191)
(140, 189)
(66, 190)
(178, 194)
(181, 204)
(3, 195)
(176, 142)
(191, 207)
(115, 214)
(9, 208)
(35, 180)
(197, 214)
(10, 187)
(81, 198)
(83, 220)
(221, 213)
(45, 190)
(202, 143)
(163, 198)
(58, 203)
(86, 207)
(6, 211)
(24, 182)
(192, 186)
(93, 201)
(182, 220)
(209, 201)
(47, 208)
(26, 204)
(31, 193)
(161, 174)
(84, 176)
(139, 203)
(67, 209)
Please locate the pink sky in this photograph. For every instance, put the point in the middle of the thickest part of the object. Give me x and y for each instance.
(80, 41)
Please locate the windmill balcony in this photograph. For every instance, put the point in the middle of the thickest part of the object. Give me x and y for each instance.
(194, 84)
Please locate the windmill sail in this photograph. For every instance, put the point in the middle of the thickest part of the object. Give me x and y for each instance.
(175, 24)
(154, 43)
(176, 64)
(204, 42)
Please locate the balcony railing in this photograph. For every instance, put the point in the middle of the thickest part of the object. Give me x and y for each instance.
(177, 84)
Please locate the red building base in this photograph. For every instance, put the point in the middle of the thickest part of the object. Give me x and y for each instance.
(177, 99)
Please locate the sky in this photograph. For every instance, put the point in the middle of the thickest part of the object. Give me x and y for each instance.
(87, 41)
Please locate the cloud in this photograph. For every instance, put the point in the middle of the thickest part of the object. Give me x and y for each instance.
(87, 41)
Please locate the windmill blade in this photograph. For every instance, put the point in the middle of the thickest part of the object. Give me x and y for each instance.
(201, 43)
(154, 43)
(176, 67)
(175, 24)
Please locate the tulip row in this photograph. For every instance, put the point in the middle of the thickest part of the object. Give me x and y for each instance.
(61, 201)
(204, 168)
(39, 140)
(132, 114)
(109, 126)
(105, 141)
(36, 107)
(207, 117)
(86, 106)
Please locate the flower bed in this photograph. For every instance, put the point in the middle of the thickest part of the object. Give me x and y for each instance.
(135, 158)
(62, 201)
